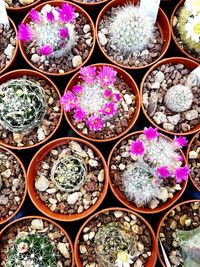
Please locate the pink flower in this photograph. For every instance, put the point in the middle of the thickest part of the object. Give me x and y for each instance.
(50, 16)
(25, 33)
(66, 14)
(180, 141)
(109, 110)
(107, 93)
(79, 115)
(88, 74)
(64, 33)
(150, 133)
(179, 158)
(95, 123)
(35, 16)
(163, 171)
(77, 89)
(46, 50)
(107, 75)
(181, 173)
(68, 101)
(116, 97)
(137, 148)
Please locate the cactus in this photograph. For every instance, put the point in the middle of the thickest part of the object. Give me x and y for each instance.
(131, 29)
(32, 251)
(69, 173)
(22, 105)
(111, 239)
(178, 98)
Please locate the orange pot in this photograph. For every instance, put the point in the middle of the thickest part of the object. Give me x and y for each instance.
(16, 48)
(19, 73)
(90, 5)
(23, 9)
(152, 259)
(58, 3)
(187, 157)
(180, 49)
(3, 231)
(162, 23)
(4, 220)
(162, 221)
(132, 206)
(189, 64)
(129, 81)
(32, 170)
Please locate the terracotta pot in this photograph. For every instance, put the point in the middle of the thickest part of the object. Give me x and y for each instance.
(58, 3)
(187, 157)
(32, 170)
(12, 24)
(129, 81)
(132, 206)
(180, 49)
(19, 73)
(90, 5)
(161, 222)
(189, 64)
(2, 232)
(4, 220)
(23, 9)
(152, 259)
(162, 23)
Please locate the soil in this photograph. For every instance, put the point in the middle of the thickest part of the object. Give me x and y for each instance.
(12, 184)
(14, 3)
(185, 217)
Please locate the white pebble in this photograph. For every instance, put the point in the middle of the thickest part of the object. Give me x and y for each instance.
(86, 28)
(42, 184)
(9, 51)
(72, 198)
(102, 39)
(77, 61)
(35, 58)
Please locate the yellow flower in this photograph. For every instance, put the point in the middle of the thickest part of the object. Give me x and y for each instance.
(193, 6)
(193, 29)
(123, 259)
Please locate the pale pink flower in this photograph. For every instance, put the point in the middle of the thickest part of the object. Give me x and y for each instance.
(109, 110)
(107, 75)
(67, 13)
(25, 33)
(181, 173)
(79, 114)
(68, 101)
(35, 16)
(95, 123)
(116, 97)
(88, 74)
(180, 141)
(137, 148)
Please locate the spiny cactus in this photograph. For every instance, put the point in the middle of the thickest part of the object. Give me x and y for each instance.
(110, 239)
(131, 29)
(32, 251)
(69, 173)
(178, 98)
(22, 105)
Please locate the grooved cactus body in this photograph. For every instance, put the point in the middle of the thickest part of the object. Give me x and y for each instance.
(131, 29)
(22, 105)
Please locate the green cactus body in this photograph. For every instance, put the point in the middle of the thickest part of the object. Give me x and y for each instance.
(22, 105)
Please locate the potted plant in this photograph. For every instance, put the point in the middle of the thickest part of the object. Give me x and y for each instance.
(8, 45)
(185, 28)
(20, 5)
(115, 237)
(35, 241)
(193, 158)
(90, 3)
(30, 111)
(131, 45)
(101, 102)
(56, 37)
(169, 93)
(67, 179)
(179, 232)
(147, 170)
(12, 184)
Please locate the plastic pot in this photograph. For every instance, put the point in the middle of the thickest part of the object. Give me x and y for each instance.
(32, 170)
(132, 206)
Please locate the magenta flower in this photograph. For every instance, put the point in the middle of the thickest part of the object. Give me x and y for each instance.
(163, 171)
(88, 74)
(46, 50)
(150, 133)
(107, 75)
(179, 158)
(79, 115)
(64, 33)
(25, 33)
(68, 101)
(67, 13)
(35, 16)
(107, 93)
(180, 141)
(95, 123)
(50, 17)
(137, 148)
(77, 89)
(181, 173)
(109, 110)
(116, 97)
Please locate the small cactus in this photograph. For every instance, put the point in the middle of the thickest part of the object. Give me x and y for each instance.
(131, 29)
(22, 105)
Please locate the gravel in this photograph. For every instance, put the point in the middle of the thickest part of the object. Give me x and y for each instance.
(18, 3)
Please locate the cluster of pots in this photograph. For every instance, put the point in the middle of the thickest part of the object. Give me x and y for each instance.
(65, 205)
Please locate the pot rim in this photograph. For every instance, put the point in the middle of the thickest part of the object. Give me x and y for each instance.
(23, 8)
(93, 4)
